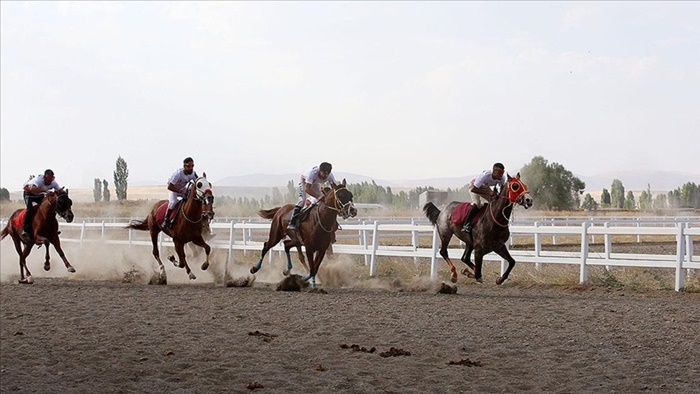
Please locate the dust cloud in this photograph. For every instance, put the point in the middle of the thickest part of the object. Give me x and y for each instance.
(100, 261)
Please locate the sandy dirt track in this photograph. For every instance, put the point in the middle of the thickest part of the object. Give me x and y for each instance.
(76, 336)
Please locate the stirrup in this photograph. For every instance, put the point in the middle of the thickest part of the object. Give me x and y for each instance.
(467, 228)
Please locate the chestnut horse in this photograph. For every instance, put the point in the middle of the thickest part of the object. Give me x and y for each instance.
(315, 233)
(45, 227)
(490, 233)
(186, 226)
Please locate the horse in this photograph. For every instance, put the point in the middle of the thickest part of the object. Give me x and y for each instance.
(45, 230)
(490, 234)
(315, 233)
(186, 226)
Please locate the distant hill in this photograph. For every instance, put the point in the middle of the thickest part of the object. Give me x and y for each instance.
(631, 180)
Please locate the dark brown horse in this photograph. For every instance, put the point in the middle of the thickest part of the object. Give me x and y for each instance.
(315, 233)
(45, 228)
(490, 233)
(186, 226)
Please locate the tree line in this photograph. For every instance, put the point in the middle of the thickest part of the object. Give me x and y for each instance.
(551, 184)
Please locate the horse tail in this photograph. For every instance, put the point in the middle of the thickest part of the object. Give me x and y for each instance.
(268, 213)
(5, 231)
(431, 212)
(138, 225)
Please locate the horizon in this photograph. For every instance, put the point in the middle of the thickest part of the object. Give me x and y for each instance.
(430, 89)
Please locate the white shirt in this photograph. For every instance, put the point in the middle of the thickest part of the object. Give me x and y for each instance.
(486, 178)
(311, 177)
(180, 179)
(39, 182)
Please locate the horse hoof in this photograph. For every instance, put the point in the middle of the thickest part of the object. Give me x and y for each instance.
(285, 272)
(47, 266)
(26, 281)
(453, 279)
(192, 277)
(205, 265)
(479, 280)
(253, 270)
(500, 280)
(70, 269)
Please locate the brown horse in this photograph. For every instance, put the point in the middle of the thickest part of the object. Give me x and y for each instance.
(187, 225)
(45, 228)
(490, 233)
(315, 233)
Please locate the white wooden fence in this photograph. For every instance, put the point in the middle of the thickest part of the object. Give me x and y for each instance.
(249, 236)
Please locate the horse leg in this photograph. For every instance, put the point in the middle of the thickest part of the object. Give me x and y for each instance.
(272, 240)
(315, 264)
(478, 261)
(445, 241)
(162, 277)
(288, 245)
(200, 242)
(56, 242)
(503, 252)
(180, 250)
(466, 259)
(23, 259)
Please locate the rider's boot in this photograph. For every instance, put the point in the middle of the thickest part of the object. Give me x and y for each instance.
(166, 222)
(27, 230)
(295, 218)
(467, 228)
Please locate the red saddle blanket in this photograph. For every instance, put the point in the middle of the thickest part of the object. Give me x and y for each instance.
(460, 213)
(18, 221)
(160, 213)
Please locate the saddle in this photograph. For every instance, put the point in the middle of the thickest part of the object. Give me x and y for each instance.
(160, 214)
(18, 221)
(303, 214)
(459, 214)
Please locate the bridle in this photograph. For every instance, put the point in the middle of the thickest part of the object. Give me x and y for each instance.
(199, 195)
(515, 189)
(338, 206)
(62, 212)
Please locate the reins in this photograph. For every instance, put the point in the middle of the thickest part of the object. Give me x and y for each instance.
(339, 207)
(197, 197)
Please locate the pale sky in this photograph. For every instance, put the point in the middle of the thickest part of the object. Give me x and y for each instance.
(390, 90)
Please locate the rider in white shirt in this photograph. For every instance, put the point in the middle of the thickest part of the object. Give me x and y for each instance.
(480, 189)
(33, 191)
(310, 184)
(177, 186)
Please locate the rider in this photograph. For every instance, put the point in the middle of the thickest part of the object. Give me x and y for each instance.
(480, 188)
(177, 186)
(34, 192)
(310, 183)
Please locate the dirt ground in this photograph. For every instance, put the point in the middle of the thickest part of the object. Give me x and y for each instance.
(72, 335)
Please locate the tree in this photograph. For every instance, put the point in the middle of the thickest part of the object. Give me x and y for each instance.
(589, 203)
(4, 194)
(120, 178)
(97, 190)
(552, 185)
(645, 199)
(605, 198)
(660, 201)
(105, 191)
(617, 194)
(629, 201)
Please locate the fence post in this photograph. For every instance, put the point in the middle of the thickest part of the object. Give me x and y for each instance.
(583, 273)
(103, 230)
(82, 233)
(231, 236)
(538, 246)
(365, 243)
(414, 242)
(688, 251)
(433, 259)
(608, 245)
(375, 245)
(680, 248)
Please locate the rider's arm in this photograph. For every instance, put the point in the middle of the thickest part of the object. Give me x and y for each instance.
(309, 189)
(173, 188)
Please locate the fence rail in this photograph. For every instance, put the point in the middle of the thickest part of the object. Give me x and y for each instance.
(365, 239)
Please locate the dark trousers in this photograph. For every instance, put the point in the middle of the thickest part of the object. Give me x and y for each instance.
(29, 200)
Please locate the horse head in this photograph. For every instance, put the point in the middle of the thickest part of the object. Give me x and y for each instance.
(64, 206)
(516, 192)
(341, 200)
(202, 190)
